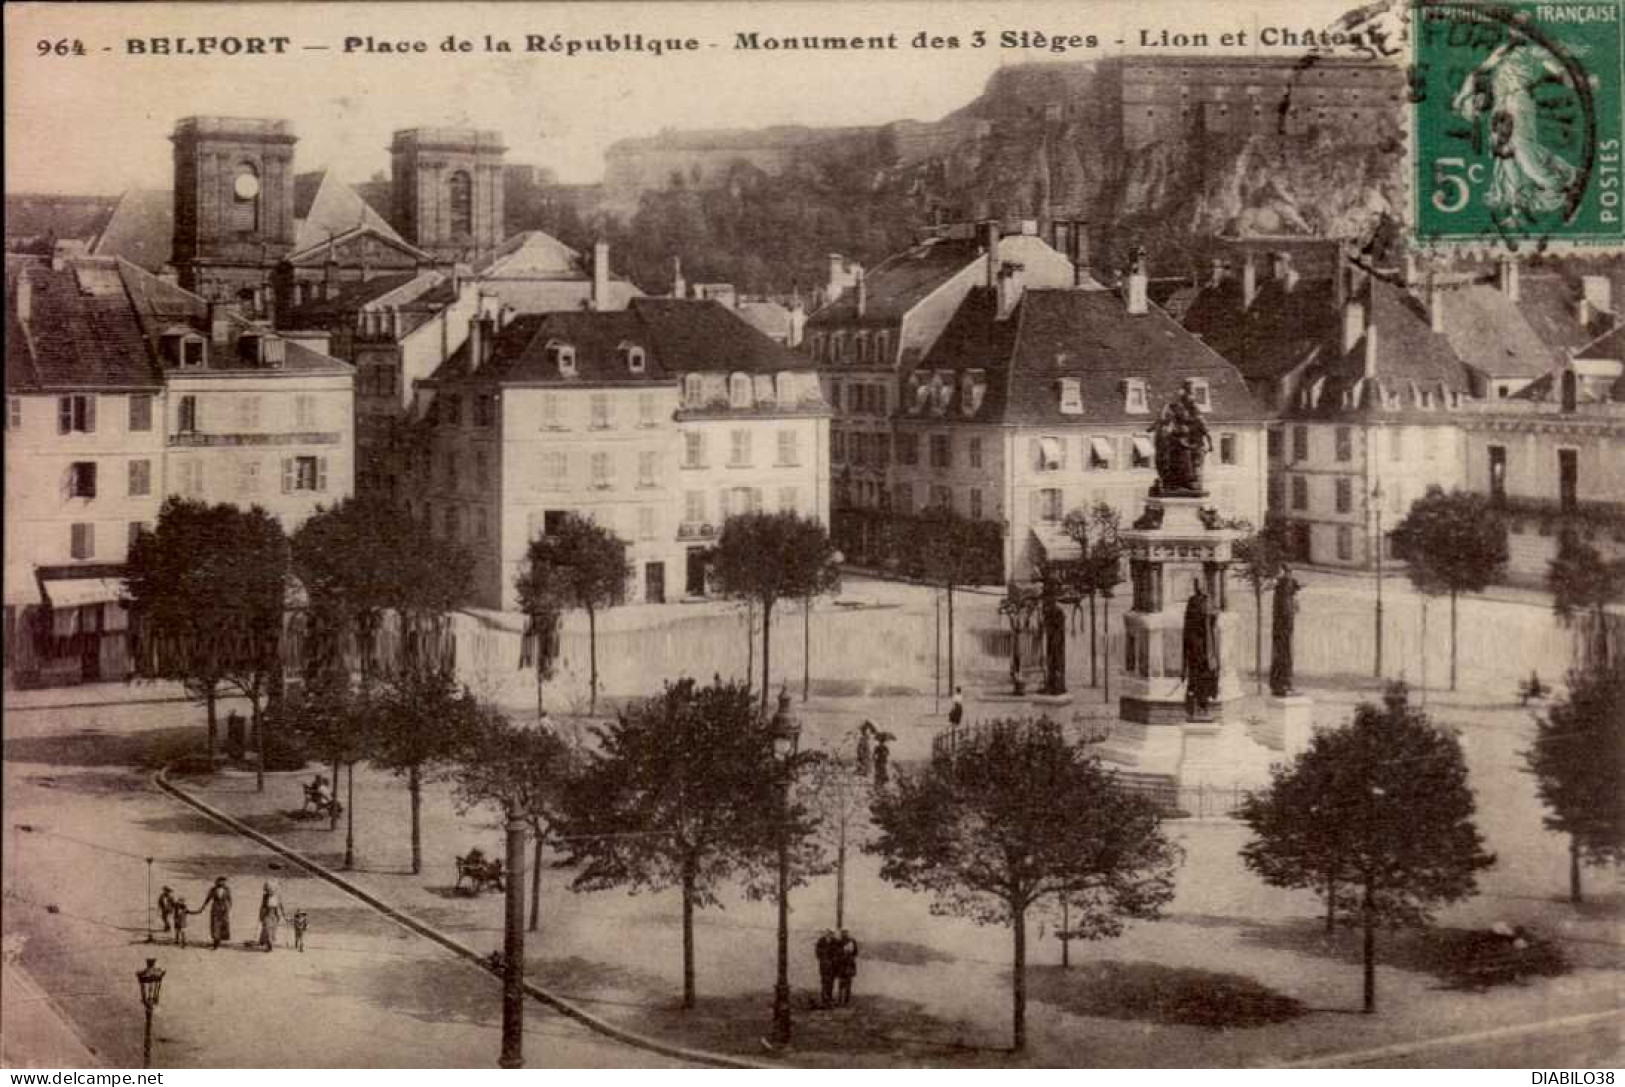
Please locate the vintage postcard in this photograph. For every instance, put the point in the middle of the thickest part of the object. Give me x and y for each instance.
(815, 535)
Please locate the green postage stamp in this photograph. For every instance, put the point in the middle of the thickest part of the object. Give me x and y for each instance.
(1516, 122)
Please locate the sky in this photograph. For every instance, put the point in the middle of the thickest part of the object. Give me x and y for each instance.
(98, 123)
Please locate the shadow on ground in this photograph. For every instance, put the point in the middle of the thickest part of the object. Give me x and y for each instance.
(430, 989)
(1154, 993)
(904, 953)
(588, 982)
(148, 749)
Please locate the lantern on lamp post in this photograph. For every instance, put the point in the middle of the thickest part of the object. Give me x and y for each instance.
(151, 979)
(786, 740)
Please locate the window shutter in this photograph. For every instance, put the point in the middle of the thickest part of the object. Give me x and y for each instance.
(90, 414)
(90, 480)
(287, 475)
(321, 474)
(64, 414)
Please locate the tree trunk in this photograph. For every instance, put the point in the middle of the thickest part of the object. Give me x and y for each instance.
(1258, 638)
(951, 685)
(767, 640)
(258, 725)
(1452, 641)
(333, 809)
(1094, 674)
(414, 786)
(592, 661)
(1066, 940)
(1331, 903)
(1018, 981)
(840, 878)
(1106, 650)
(1424, 603)
(540, 710)
(688, 934)
(536, 882)
(1576, 892)
(349, 816)
(1369, 919)
(209, 699)
(750, 641)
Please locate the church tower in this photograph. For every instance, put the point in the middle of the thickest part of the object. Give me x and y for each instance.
(447, 191)
(233, 203)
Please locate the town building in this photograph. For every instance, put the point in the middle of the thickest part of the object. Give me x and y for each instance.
(123, 389)
(1037, 401)
(448, 191)
(881, 326)
(534, 272)
(657, 421)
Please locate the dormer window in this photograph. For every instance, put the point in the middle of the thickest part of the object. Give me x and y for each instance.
(1200, 394)
(1071, 393)
(837, 346)
(631, 357)
(882, 353)
(739, 391)
(693, 390)
(1134, 395)
(861, 346)
(784, 387)
(182, 349)
(922, 393)
(563, 356)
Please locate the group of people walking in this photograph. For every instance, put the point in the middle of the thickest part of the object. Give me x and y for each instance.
(174, 912)
(837, 966)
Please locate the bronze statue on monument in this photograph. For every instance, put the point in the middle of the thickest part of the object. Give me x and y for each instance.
(1181, 441)
(1201, 654)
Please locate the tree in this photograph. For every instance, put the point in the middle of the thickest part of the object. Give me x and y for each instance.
(205, 592)
(1018, 608)
(836, 791)
(1583, 584)
(423, 718)
(1383, 804)
(1011, 816)
(578, 565)
(1098, 568)
(256, 563)
(1455, 542)
(334, 724)
(521, 770)
(950, 549)
(1579, 765)
(682, 790)
(1260, 556)
(767, 557)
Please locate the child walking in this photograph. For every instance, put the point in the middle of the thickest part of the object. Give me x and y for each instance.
(301, 922)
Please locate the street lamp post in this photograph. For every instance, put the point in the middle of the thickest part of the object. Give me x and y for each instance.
(513, 948)
(1376, 506)
(151, 979)
(786, 739)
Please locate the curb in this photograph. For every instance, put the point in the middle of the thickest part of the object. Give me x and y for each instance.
(160, 779)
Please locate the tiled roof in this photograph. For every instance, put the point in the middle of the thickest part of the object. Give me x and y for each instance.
(693, 335)
(532, 254)
(41, 215)
(325, 207)
(1087, 335)
(348, 297)
(81, 333)
(141, 229)
(1490, 332)
(898, 283)
(1274, 335)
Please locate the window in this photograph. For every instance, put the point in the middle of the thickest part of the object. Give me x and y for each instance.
(454, 523)
(555, 468)
(600, 411)
(304, 411)
(189, 478)
(1050, 454)
(882, 450)
(788, 500)
(942, 497)
(460, 204)
(1300, 493)
(1134, 395)
(563, 356)
(248, 477)
(647, 462)
(1200, 394)
(739, 391)
(882, 347)
(1273, 446)
(76, 413)
(694, 506)
(646, 520)
(646, 409)
(860, 346)
(140, 413)
(859, 449)
(837, 446)
(135, 530)
(837, 346)
(739, 449)
(304, 474)
(976, 503)
(942, 454)
(1227, 449)
(631, 357)
(482, 470)
(82, 479)
(1071, 390)
(908, 449)
(1100, 453)
(974, 447)
(482, 525)
(603, 471)
(186, 415)
(1568, 478)
(693, 390)
(485, 410)
(82, 541)
(1142, 454)
(1300, 443)
(1345, 443)
(905, 498)
(140, 478)
(1048, 504)
(191, 353)
(1345, 543)
(453, 470)
(1345, 495)
(693, 450)
(789, 448)
(248, 412)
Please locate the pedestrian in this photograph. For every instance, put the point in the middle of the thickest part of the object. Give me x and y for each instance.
(827, 948)
(301, 922)
(218, 901)
(179, 912)
(882, 759)
(166, 906)
(271, 917)
(956, 712)
(863, 747)
(846, 966)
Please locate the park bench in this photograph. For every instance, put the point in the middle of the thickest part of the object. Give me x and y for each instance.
(480, 873)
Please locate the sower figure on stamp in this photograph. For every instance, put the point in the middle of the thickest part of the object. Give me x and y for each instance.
(1285, 611)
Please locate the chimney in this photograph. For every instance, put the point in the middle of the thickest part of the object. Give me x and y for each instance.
(1354, 324)
(1340, 277)
(1136, 287)
(1286, 273)
(25, 297)
(798, 323)
(476, 342)
(863, 294)
(1249, 281)
(456, 279)
(1507, 277)
(1012, 279)
(1597, 293)
(1370, 352)
(1410, 272)
(219, 324)
(1279, 261)
(1078, 237)
(600, 274)
(990, 243)
(330, 279)
(1215, 272)
(837, 273)
(395, 326)
(679, 286)
(1436, 302)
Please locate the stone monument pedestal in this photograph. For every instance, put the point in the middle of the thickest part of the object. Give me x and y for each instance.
(1296, 716)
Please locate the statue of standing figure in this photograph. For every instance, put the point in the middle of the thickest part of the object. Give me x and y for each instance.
(1181, 441)
(1285, 612)
(1054, 620)
(1201, 655)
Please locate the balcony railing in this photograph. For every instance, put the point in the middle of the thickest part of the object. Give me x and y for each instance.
(303, 437)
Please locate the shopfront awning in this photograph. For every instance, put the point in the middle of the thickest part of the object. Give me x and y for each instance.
(82, 592)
